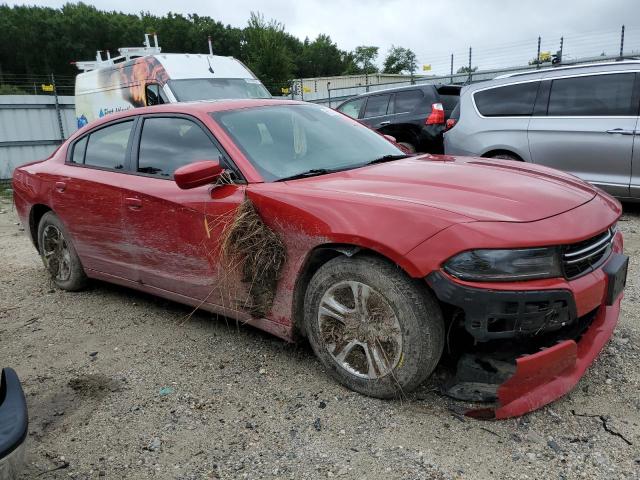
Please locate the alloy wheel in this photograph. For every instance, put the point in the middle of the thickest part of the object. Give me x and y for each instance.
(360, 329)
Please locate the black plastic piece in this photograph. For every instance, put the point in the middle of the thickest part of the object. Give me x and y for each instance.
(616, 270)
(501, 314)
(14, 421)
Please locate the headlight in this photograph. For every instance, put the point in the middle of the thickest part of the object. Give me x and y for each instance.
(505, 265)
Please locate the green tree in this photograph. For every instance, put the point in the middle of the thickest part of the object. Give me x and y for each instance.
(319, 58)
(466, 69)
(266, 52)
(400, 60)
(43, 40)
(364, 57)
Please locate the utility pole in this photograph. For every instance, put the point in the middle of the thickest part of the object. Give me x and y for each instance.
(55, 96)
(451, 68)
(469, 79)
(561, 47)
(538, 56)
(622, 42)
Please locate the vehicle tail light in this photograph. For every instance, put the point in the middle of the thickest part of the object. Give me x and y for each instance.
(436, 116)
(451, 122)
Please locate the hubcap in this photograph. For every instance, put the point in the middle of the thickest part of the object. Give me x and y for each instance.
(360, 329)
(56, 255)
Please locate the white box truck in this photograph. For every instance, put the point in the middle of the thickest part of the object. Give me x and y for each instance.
(143, 76)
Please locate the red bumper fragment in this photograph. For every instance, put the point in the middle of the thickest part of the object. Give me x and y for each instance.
(547, 375)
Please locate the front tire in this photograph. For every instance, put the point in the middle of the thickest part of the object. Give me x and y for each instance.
(377, 331)
(408, 146)
(59, 255)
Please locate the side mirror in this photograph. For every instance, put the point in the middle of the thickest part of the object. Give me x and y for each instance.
(197, 174)
(390, 138)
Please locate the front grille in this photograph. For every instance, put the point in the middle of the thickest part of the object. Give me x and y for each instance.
(584, 257)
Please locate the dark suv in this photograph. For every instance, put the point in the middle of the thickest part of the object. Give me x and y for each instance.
(414, 115)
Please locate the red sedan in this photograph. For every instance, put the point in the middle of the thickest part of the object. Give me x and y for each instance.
(298, 220)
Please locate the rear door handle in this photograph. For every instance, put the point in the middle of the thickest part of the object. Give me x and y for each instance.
(621, 131)
(386, 122)
(133, 203)
(60, 186)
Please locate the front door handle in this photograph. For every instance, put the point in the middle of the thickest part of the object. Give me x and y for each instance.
(133, 203)
(621, 131)
(61, 186)
(386, 122)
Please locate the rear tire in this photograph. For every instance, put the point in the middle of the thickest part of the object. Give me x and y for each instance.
(408, 146)
(59, 255)
(505, 156)
(376, 331)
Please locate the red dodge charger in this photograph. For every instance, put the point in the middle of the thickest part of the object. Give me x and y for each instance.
(298, 220)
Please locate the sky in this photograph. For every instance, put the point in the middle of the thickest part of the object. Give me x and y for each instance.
(501, 32)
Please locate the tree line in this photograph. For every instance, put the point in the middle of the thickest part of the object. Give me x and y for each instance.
(38, 40)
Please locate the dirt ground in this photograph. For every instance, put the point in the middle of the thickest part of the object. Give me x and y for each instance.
(119, 385)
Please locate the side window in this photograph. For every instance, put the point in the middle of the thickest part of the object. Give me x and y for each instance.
(408, 101)
(78, 150)
(377, 106)
(352, 108)
(107, 147)
(510, 101)
(155, 95)
(169, 143)
(605, 95)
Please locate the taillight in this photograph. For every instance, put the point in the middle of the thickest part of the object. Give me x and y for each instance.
(437, 114)
(450, 124)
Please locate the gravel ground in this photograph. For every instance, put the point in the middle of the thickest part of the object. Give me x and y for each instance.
(121, 385)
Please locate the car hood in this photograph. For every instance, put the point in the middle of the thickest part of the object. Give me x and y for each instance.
(478, 188)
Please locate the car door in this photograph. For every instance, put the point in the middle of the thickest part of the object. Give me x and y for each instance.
(377, 111)
(88, 197)
(588, 129)
(410, 109)
(173, 232)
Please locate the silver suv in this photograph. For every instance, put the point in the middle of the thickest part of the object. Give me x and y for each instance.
(581, 119)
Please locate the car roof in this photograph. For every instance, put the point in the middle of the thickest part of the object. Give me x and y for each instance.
(554, 72)
(200, 106)
(422, 86)
(394, 89)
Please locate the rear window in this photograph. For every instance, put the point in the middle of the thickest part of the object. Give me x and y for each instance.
(377, 106)
(449, 97)
(596, 95)
(107, 147)
(408, 101)
(78, 151)
(511, 100)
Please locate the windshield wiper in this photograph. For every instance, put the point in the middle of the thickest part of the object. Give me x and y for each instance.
(387, 158)
(309, 173)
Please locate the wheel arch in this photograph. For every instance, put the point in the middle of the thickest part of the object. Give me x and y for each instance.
(503, 151)
(316, 258)
(35, 215)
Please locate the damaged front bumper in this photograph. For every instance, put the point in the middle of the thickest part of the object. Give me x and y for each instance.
(530, 347)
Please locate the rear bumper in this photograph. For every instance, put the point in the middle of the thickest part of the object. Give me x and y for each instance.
(13, 425)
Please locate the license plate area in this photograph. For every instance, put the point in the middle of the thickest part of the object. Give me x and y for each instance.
(616, 270)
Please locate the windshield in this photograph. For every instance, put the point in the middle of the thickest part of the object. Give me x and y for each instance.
(216, 88)
(283, 141)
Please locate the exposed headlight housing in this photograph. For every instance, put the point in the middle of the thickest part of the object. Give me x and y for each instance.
(505, 265)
